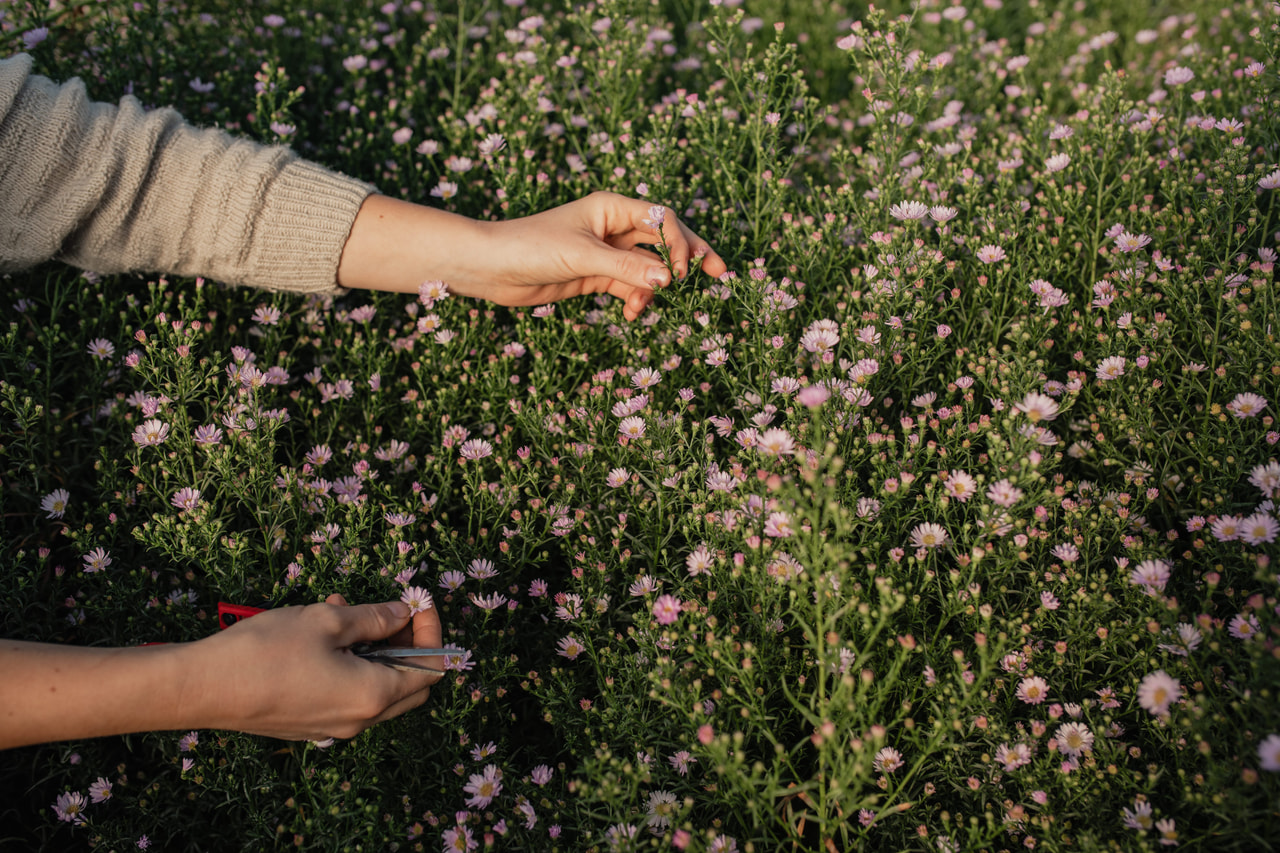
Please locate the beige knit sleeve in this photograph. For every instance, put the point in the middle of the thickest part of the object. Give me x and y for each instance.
(118, 189)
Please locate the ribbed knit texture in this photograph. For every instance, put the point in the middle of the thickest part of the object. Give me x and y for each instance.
(119, 189)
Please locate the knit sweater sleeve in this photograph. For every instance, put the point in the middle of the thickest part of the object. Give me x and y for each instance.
(115, 188)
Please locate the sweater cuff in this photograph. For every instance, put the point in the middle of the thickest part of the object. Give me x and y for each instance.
(302, 228)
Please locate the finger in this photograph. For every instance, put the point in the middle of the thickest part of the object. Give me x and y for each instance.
(712, 264)
(636, 268)
(336, 599)
(366, 623)
(408, 703)
(427, 630)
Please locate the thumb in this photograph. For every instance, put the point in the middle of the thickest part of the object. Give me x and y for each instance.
(632, 268)
(366, 623)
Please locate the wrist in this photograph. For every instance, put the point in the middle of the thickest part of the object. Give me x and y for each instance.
(396, 245)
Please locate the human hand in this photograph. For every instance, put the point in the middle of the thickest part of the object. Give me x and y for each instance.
(289, 672)
(592, 245)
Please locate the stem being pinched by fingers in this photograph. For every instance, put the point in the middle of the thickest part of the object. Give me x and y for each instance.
(657, 216)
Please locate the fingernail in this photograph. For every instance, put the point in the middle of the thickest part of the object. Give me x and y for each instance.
(398, 609)
(657, 275)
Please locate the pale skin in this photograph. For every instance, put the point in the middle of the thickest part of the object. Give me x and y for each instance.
(289, 673)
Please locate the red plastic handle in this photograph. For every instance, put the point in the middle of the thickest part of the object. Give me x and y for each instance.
(230, 614)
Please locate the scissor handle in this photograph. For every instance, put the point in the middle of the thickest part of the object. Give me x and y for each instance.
(230, 614)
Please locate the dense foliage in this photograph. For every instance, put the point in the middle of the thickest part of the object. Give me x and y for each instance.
(945, 521)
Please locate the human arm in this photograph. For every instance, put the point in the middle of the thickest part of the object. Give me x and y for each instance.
(592, 245)
(287, 673)
(116, 188)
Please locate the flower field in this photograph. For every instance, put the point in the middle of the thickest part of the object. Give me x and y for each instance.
(946, 520)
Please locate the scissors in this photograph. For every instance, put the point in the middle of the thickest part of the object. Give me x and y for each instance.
(396, 657)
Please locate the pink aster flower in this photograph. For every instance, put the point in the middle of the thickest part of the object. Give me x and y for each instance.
(942, 214)
(1244, 626)
(1226, 528)
(632, 427)
(1004, 493)
(417, 599)
(1074, 739)
(666, 609)
(1157, 691)
(778, 525)
(960, 486)
(101, 349)
(1270, 181)
(887, 760)
(1267, 479)
(1246, 405)
(1151, 575)
(151, 433)
(186, 498)
(100, 791)
(617, 477)
(1127, 242)
(1178, 75)
(1269, 753)
(1032, 690)
(1259, 528)
(1057, 162)
(96, 560)
(475, 449)
(989, 254)
(1110, 368)
(55, 503)
(483, 787)
(1038, 407)
(69, 807)
(909, 210)
(569, 647)
(928, 535)
(657, 215)
(776, 442)
(1013, 757)
(646, 377)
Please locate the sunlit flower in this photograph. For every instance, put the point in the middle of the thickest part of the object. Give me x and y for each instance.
(186, 498)
(617, 477)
